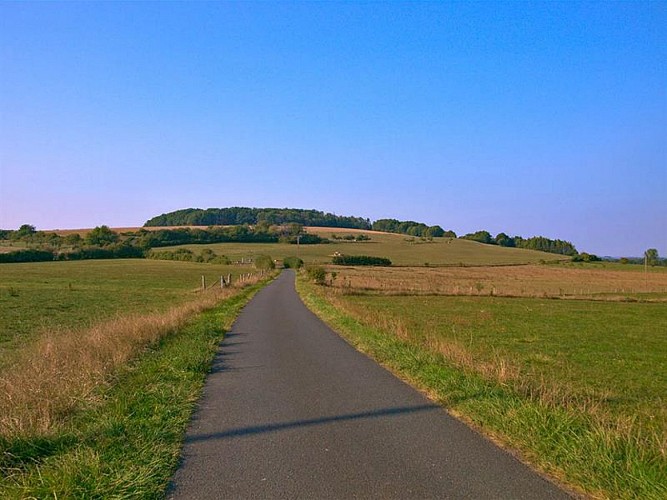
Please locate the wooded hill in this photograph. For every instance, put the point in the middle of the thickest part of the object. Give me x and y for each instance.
(277, 216)
(236, 216)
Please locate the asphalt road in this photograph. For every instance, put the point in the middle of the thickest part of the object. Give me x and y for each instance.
(290, 410)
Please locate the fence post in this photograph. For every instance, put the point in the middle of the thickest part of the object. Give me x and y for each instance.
(203, 283)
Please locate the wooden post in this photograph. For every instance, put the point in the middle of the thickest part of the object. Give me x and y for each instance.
(203, 283)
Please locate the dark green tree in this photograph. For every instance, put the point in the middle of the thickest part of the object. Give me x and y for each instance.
(101, 236)
(504, 240)
(481, 236)
(434, 232)
(25, 230)
(651, 256)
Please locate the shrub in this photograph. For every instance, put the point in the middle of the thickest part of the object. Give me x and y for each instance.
(181, 254)
(29, 255)
(317, 274)
(360, 260)
(292, 262)
(264, 262)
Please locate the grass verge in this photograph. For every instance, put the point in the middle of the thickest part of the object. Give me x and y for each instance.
(565, 443)
(126, 442)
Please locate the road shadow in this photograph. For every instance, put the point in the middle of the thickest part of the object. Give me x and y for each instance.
(262, 429)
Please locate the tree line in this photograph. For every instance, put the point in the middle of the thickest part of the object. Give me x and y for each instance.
(243, 216)
(235, 216)
(104, 243)
(535, 243)
(411, 228)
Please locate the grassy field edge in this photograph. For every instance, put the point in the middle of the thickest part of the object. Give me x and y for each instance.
(564, 445)
(126, 444)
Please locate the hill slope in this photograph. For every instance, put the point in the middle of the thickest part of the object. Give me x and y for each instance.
(401, 249)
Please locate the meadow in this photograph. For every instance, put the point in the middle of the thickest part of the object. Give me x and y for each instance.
(561, 361)
(564, 363)
(100, 365)
(402, 250)
(74, 294)
(606, 281)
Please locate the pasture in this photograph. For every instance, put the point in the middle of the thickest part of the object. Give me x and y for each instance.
(75, 294)
(564, 363)
(603, 281)
(402, 250)
(101, 362)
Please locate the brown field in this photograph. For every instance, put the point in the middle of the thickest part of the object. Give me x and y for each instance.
(509, 281)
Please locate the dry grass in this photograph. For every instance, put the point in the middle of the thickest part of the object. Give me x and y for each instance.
(50, 378)
(508, 281)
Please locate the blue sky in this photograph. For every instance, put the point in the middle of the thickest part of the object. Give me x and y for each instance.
(531, 118)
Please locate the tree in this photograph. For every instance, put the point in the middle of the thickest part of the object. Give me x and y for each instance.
(481, 236)
(504, 240)
(101, 235)
(434, 232)
(651, 256)
(25, 230)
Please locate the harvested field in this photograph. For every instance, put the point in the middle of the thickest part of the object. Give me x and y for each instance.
(506, 281)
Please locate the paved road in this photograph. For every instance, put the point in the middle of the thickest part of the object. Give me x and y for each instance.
(292, 411)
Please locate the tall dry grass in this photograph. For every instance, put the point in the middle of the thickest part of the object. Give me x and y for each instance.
(50, 378)
(503, 281)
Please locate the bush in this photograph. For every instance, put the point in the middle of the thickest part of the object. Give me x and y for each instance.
(317, 274)
(292, 262)
(586, 257)
(181, 254)
(360, 260)
(29, 255)
(264, 262)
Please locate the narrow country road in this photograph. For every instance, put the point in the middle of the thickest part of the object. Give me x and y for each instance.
(292, 411)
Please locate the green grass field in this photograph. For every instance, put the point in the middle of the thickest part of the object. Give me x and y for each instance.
(577, 386)
(75, 294)
(609, 354)
(104, 416)
(396, 247)
(126, 442)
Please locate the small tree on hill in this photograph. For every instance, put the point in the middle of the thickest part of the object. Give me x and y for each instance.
(26, 230)
(651, 256)
(101, 236)
(504, 240)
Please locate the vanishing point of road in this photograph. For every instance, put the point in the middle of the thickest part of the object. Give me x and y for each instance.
(291, 410)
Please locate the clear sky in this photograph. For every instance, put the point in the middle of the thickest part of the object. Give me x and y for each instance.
(531, 118)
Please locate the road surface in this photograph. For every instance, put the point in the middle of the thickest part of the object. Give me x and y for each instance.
(290, 410)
